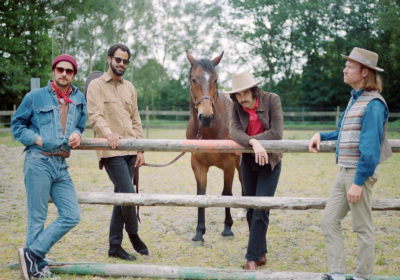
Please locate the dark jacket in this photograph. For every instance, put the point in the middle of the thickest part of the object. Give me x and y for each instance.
(271, 116)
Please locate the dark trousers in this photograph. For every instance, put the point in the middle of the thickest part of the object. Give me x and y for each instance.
(120, 170)
(258, 180)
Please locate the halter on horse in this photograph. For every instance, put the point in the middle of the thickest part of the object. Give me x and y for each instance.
(209, 120)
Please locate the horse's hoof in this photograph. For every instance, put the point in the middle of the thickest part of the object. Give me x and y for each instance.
(198, 243)
(198, 239)
(227, 232)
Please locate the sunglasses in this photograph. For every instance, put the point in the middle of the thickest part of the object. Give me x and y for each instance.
(61, 70)
(118, 60)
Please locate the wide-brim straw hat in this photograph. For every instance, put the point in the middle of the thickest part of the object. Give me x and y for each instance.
(364, 57)
(242, 82)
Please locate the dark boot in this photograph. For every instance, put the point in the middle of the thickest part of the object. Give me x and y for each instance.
(116, 251)
(262, 261)
(138, 244)
(250, 265)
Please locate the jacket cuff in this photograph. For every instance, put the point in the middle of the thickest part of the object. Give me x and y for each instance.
(78, 132)
(359, 180)
(323, 136)
(34, 139)
(247, 139)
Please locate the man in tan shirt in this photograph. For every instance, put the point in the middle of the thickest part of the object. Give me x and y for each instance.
(113, 114)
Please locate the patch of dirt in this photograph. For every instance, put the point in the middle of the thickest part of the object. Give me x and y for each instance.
(295, 240)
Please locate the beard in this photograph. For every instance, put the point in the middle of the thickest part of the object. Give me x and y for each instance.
(62, 83)
(116, 71)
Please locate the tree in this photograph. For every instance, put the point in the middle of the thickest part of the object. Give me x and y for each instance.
(25, 48)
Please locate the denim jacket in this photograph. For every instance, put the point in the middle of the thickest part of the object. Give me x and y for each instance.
(39, 115)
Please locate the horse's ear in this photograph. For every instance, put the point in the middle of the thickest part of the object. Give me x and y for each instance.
(218, 59)
(191, 59)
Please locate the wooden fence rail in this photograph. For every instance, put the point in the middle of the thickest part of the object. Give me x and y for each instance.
(187, 113)
(281, 203)
(177, 272)
(285, 114)
(212, 146)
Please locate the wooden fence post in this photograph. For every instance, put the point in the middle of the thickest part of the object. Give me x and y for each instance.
(337, 115)
(147, 122)
(14, 109)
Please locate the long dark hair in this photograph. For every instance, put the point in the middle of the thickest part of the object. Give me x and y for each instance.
(255, 92)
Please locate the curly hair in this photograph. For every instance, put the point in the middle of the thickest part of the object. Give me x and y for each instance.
(114, 48)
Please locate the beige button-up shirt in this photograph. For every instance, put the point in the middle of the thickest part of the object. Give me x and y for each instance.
(112, 108)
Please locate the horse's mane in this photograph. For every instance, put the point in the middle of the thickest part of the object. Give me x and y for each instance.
(206, 64)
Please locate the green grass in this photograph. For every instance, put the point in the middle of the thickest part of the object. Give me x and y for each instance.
(295, 238)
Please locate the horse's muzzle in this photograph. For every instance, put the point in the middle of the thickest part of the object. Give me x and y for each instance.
(206, 121)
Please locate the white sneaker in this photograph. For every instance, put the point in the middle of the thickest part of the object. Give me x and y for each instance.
(44, 273)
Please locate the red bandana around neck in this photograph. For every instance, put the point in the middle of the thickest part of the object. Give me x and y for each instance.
(61, 94)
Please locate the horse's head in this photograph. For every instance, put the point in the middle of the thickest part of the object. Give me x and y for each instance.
(203, 87)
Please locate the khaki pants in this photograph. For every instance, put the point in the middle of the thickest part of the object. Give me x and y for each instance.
(361, 215)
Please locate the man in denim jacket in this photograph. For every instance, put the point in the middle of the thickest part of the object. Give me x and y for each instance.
(49, 121)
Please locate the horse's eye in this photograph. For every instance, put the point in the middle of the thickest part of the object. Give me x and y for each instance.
(215, 81)
(193, 81)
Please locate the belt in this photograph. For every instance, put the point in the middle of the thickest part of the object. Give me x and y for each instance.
(60, 153)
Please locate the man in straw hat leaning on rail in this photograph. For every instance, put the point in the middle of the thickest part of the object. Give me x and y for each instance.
(256, 115)
(362, 144)
(49, 121)
(113, 114)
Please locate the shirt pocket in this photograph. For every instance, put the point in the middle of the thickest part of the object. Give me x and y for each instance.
(45, 115)
(110, 105)
(128, 106)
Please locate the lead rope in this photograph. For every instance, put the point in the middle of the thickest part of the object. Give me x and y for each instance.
(136, 171)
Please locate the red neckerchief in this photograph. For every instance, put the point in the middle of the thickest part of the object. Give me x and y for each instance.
(61, 94)
(255, 125)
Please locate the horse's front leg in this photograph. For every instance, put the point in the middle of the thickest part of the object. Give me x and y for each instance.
(200, 173)
(229, 172)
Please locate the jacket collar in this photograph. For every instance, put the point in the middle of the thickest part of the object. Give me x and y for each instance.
(262, 103)
(356, 94)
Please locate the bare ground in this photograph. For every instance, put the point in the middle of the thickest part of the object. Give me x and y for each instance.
(295, 240)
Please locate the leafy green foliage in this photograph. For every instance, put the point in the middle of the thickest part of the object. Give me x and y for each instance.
(295, 45)
(25, 49)
(313, 34)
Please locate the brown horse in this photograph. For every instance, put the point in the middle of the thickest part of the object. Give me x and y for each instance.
(209, 119)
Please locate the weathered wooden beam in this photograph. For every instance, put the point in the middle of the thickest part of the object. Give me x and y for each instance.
(285, 114)
(165, 113)
(187, 113)
(282, 203)
(177, 272)
(212, 146)
(7, 113)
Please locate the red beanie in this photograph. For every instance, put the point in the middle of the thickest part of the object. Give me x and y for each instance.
(65, 57)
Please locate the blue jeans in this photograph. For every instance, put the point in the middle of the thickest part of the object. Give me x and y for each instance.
(47, 176)
(258, 180)
(120, 170)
